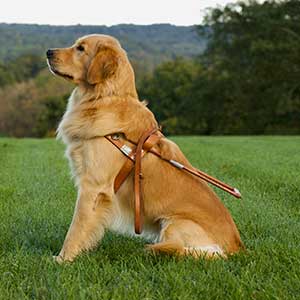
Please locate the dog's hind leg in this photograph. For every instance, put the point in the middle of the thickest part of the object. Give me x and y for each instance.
(92, 214)
(185, 237)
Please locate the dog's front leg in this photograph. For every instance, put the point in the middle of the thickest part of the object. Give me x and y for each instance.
(92, 214)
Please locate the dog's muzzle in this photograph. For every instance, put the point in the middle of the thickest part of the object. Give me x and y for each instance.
(50, 53)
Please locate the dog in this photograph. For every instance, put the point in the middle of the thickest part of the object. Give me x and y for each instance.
(182, 215)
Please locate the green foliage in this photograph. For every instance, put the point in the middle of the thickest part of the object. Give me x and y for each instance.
(37, 199)
(246, 82)
(6, 77)
(168, 93)
(21, 69)
(253, 59)
(26, 66)
(50, 115)
(146, 45)
(33, 107)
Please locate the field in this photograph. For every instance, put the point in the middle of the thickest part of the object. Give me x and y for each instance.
(36, 205)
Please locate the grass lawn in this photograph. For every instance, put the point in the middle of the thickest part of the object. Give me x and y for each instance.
(36, 205)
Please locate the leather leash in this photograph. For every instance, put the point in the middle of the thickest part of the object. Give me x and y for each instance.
(135, 155)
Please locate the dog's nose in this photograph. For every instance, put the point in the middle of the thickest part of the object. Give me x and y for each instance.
(50, 53)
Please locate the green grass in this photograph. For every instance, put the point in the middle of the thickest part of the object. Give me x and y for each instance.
(36, 205)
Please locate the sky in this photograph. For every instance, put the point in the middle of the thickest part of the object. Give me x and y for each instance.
(108, 12)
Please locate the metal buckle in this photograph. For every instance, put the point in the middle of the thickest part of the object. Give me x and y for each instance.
(126, 150)
(116, 136)
(176, 164)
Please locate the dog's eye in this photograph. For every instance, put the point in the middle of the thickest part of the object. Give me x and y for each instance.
(80, 48)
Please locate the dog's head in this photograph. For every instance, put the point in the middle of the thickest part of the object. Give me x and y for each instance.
(92, 60)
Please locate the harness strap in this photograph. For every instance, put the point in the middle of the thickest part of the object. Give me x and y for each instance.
(138, 196)
(130, 154)
(123, 174)
(144, 145)
(214, 181)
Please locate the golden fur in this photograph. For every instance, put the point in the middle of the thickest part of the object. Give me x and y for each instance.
(182, 214)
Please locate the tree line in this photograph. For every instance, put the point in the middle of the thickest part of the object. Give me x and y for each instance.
(162, 42)
(246, 81)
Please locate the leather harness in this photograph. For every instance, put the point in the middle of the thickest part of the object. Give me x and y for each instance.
(145, 144)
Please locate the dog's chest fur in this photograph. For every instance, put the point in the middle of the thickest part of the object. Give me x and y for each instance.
(80, 157)
(67, 133)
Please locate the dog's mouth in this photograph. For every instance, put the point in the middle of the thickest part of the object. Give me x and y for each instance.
(67, 76)
(56, 72)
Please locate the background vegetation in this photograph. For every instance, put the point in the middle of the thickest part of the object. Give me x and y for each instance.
(246, 82)
(37, 202)
(237, 73)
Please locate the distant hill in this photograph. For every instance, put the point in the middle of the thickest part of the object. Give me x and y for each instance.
(145, 44)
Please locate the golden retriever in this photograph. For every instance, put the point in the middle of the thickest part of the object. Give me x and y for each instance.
(182, 215)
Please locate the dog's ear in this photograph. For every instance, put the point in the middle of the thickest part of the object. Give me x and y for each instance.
(102, 66)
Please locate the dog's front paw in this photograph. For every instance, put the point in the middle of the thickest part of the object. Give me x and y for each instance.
(149, 249)
(60, 260)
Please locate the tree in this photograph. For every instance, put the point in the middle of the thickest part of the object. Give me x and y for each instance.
(253, 58)
(26, 66)
(33, 107)
(168, 91)
(50, 115)
(6, 77)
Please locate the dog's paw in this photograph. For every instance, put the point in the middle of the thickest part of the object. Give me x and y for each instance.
(58, 259)
(149, 249)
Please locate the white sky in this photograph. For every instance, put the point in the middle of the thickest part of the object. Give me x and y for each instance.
(107, 12)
